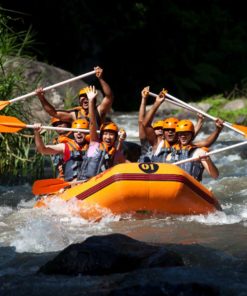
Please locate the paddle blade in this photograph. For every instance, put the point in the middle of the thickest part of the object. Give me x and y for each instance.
(242, 128)
(10, 124)
(48, 186)
(3, 104)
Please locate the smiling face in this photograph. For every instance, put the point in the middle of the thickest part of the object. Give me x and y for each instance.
(170, 135)
(83, 100)
(185, 137)
(158, 131)
(79, 137)
(109, 137)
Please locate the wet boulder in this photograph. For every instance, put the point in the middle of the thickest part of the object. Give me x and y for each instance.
(115, 253)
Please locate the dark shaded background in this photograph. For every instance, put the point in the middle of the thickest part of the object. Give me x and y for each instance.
(193, 48)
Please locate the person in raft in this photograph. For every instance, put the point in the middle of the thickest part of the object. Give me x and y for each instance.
(71, 152)
(162, 146)
(102, 152)
(81, 111)
(186, 149)
(160, 134)
(61, 137)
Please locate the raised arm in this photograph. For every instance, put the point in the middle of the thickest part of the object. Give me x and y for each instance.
(46, 149)
(142, 113)
(62, 115)
(150, 134)
(198, 126)
(91, 94)
(106, 104)
(213, 137)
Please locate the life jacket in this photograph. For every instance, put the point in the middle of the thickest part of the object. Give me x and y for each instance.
(73, 158)
(80, 113)
(163, 152)
(57, 159)
(146, 152)
(102, 159)
(63, 138)
(194, 168)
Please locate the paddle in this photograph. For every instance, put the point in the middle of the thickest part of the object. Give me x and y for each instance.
(237, 128)
(10, 124)
(173, 102)
(48, 186)
(3, 104)
(210, 153)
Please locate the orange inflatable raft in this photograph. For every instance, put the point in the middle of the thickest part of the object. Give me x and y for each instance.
(141, 187)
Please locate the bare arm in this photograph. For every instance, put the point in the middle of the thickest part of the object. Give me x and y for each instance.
(213, 137)
(150, 134)
(142, 113)
(107, 101)
(207, 163)
(199, 123)
(62, 115)
(91, 94)
(46, 149)
(210, 167)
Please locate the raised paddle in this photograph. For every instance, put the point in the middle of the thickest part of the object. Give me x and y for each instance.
(48, 186)
(210, 153)
(173, 102)
(240, 128)
(3, 104)
(237, 128)
(10, 124)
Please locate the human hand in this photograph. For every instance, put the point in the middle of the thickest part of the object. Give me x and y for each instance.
(91, 93)
(122, 134)
(145, 92)
(160, 97)
(219, 123)
(40, 92)
(98, 72)
(200, 116)
(37, 127)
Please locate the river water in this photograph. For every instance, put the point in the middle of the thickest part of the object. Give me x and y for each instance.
(30, 237)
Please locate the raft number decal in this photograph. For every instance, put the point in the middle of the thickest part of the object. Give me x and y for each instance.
(148, 167)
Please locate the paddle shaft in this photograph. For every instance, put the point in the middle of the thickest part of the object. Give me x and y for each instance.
(203, 113)
(33, 93)
(59, 128)
(173, 102)
(211, 153)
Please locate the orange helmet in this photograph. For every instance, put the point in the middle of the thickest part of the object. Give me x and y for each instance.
(55, 121)
(80, 123)
(185, 125)
(158, 123)
(111, 126)
(170, 123)
(83, 91)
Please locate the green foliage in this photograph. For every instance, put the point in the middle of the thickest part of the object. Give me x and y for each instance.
(17, 154)
(216, 110)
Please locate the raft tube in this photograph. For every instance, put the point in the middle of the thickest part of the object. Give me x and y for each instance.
(142, 187)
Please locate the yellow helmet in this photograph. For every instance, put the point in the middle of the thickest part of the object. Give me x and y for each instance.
(170, 123)
(158, 123)
(83, 91)
(185, 125)
(80, 123)
(111, 126)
